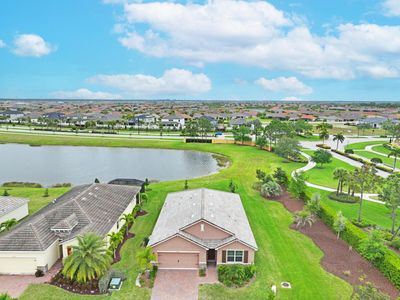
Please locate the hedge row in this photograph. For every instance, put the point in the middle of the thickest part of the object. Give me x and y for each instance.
(344, 198)
(364, 161)
(323, 146)
(389, 265)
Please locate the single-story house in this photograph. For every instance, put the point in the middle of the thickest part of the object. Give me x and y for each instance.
(13, 208)
(200, 227)
(48, 235)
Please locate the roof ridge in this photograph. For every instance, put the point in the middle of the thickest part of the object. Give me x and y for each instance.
(36, 236)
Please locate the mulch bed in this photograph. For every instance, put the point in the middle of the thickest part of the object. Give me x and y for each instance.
(338, 257)
(89, 288)
(117, 256)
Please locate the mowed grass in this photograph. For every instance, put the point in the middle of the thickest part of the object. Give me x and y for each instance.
(35, 195)
(373, 213)
(369, 155)
(284, 254)
(362, 145)
(324, 175)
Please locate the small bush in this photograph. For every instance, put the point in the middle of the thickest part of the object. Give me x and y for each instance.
(344, 198)
(202, 272)
(349, 151)
(323, 146)
(395, 243)
(39, 273)
(361, 224)
(235, 275)
(270, 189)
(376, 160)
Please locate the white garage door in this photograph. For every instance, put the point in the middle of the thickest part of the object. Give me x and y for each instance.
(178, 260)
(17, 265)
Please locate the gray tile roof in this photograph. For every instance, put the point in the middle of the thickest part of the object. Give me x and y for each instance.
(96, 207)
(9, 204)
(222, 209)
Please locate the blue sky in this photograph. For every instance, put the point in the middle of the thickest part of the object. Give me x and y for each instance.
(116, 49)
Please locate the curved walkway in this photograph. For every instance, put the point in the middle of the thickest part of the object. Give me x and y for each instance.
(369, 149)
(311, 164)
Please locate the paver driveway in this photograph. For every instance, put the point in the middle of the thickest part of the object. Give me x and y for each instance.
(15, 285)
(180, 285)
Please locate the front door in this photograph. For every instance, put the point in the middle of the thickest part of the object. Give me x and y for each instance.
(211, 255)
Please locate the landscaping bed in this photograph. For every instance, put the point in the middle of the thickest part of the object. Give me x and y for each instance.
(117, 256)
(89, 288)
(339, 258)
(344, 198)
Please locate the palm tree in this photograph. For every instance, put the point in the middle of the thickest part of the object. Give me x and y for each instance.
(304, 217)
(340, 175)
(89, 260)
(395, 152)
(129, 219)
(364, 179)
(115, 238)
(338, 138)
(144, 258)
(6, 225)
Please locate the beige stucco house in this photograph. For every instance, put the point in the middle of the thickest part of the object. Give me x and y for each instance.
(200, 227)
(48, 235)
(13, 208)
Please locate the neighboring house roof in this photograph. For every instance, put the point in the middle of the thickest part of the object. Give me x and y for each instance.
(9, 204)
(222, 209)
(86, 208)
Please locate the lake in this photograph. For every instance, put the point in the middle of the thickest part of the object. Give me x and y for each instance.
(49, 165)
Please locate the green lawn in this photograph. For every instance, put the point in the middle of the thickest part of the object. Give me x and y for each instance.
(35, 195)
(367, 154)
(284, 254)
(324, 175)
(381, 149)
(372, 212)
(362, 145)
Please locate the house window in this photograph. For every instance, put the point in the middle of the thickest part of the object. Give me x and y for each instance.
(235, 255)
(69, 251)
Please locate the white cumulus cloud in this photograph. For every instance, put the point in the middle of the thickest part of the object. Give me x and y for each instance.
(31, 45)
(84, 94)
(258, 34)
(392, 8)
(291, 98)
(2, 44)
(172, 82)
(284, 84)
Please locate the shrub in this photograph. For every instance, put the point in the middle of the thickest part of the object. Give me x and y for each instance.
(22, 184)
(235, 275)
(323, 146)
(373, 248)
(376, 160)
(361, 224)
(368, 291)
(202, 272)
(39, 273)
(270, 189)
(349, 151)
(395, 243)
(345, 198)
(59, 185)
(281, 177)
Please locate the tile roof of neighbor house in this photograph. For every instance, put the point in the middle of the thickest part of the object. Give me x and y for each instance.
(9, 204)
(223, 209)
(95, 207)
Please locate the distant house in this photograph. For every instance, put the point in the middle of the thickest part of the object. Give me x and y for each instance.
(13, 208)
(200, 227)
(173, 121)
(375, 122)
(11, 115)
(237, 122)
(48, 235)
(212, 120)
(143, 119)
(54, 116)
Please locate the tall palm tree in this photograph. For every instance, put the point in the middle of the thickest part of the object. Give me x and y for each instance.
(395, 152)
(365, 180)
(89, 260)
(338, 138)
(129, 219)
(115, 238)
(145, 257)
(340, 175)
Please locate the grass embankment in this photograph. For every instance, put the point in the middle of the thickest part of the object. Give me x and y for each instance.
(284, 254)
(362, 145)
(381, 149)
